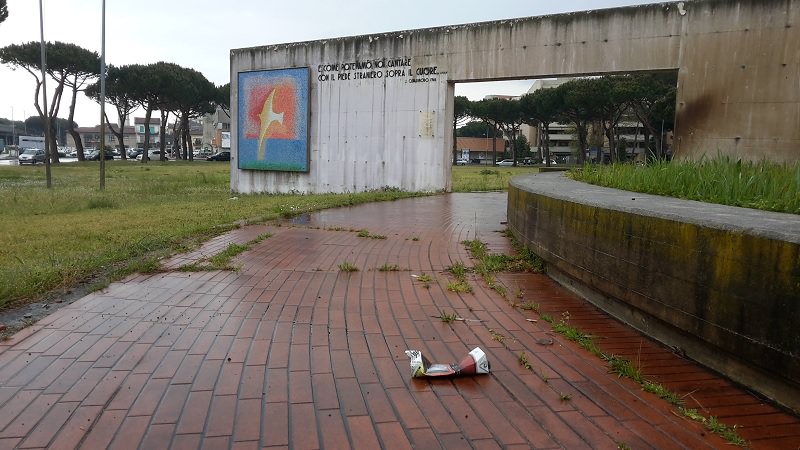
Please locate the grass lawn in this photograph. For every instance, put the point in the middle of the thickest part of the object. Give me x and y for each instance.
(486, 178)
(59, 238)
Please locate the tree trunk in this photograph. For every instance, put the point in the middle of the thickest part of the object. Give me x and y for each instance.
(176, 136)
(162, 133)
(546, 126)
(71, 127)
(581, 130)
(185, 138)
(494, 146)
(145, 150)
(123, 117)
(54, 107)
(120, 135)
(612, 150)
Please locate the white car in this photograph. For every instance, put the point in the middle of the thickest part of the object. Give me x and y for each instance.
(462, 162)
(152, 155)
(505, 162)
(32, 156)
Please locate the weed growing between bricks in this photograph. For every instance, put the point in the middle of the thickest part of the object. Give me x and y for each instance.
(347, 267)
(624, 368)
(367, 234)
(460, 285)
(425, 279)
(222, 260)
(489, 264)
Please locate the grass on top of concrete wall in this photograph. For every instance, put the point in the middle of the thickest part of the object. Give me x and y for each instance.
(53, 240)
(758, 185)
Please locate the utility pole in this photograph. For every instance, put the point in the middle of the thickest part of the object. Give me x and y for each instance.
(47, 146)
(103, 102)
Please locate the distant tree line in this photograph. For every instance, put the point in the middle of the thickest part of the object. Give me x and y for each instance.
(164, 87)
(584, 103)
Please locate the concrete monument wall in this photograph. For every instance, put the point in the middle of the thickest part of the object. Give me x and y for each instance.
(380, 106)
(717, 283)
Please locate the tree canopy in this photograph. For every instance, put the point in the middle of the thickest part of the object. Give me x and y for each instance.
(68, 64)
(477, 129)
(3, 11)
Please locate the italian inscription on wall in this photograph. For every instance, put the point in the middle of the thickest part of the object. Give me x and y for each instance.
(389, 68)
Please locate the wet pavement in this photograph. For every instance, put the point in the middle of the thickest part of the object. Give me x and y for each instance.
(291, 352)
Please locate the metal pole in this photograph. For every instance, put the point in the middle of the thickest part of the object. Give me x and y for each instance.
(47, 148)
(103, 102)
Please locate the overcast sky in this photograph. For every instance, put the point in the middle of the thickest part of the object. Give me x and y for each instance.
(199, 34)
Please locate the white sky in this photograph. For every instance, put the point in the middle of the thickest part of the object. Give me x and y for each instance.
(200, 33)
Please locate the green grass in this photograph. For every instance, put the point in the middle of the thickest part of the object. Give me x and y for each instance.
(367, 234)
(761, 185)
(458, 269)
(222, 260)
(625, 368)
(459, 286)
(56, 239)
(447, 317)
(389, 268)
(486, 178)
(348, 267)
(523, 361)
(425, 279)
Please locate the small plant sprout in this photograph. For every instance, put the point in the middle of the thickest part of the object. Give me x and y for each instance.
(496, 336)
(415, 238)
(460, 287)
(389, 268)
(347, 267)
(523, 361)
(367, 234)
(530, 306)
(448, 317)
(458, 270)
(424, 278)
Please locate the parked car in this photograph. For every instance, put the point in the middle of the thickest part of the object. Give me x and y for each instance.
(220, 156)
(505, 162)
(134, 152)
(31, 156)
(152, 155)
(94, 155)
(462, 162)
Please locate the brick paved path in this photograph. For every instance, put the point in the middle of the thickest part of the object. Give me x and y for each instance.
(291, 352)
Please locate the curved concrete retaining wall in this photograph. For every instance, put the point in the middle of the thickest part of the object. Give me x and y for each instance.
(720, 283)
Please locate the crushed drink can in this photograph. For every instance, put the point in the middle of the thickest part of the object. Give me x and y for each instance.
(474, 363)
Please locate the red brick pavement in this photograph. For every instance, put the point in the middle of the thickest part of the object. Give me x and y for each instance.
(291, 352)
